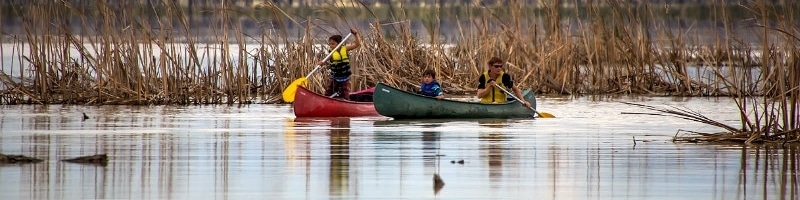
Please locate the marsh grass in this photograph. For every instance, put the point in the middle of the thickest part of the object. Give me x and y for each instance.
(152, 55)
(769, 110)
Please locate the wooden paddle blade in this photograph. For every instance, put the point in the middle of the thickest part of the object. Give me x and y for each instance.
(288, 93)
(545, 115)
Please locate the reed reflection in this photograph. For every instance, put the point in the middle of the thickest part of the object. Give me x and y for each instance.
(160, 155)
(290, 142)
(298, 141)
(771, 173)
(36, 178)
(339, 171)
(430, 149)
(30, 134)
(789, 175)
(432, 157)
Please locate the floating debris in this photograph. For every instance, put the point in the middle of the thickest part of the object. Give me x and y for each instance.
(438, 183)
(459, 161)
(99, 159)
(753, 132)
(12, 159)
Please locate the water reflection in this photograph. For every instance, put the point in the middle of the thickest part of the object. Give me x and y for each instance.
(769, 172)
(337, 144)
(236, 153)
(430, 150)
(492, 148)
(339, 172)
(432, 157)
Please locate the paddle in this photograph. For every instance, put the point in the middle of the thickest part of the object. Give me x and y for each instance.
(541, 114)
(288, 93)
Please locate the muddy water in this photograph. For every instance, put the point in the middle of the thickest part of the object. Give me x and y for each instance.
(590, 151)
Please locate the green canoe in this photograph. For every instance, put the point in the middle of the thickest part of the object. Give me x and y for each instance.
(399, 104)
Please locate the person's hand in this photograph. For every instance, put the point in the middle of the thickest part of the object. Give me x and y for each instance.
(492, 83)
(354, 31)
(526, 103)
(440, 97)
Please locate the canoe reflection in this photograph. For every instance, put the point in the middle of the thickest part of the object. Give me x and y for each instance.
(439, 122)
(493, 123)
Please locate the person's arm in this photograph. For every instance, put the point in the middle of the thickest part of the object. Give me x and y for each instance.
(438, 91)
(521, 98)
(517, 92)
(358, 40)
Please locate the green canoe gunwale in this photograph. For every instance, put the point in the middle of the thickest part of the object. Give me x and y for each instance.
(392, 102)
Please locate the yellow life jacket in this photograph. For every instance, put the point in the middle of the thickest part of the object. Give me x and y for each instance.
(340, 64)
(340, 56)
(496, 95)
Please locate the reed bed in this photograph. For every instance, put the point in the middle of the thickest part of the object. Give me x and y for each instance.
(133, 54)
(770, 110)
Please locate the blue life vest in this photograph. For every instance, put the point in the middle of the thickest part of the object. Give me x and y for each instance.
(431, 89)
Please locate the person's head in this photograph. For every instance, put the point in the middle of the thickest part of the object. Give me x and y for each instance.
(495, 65)
(428, 76)
(334, 40)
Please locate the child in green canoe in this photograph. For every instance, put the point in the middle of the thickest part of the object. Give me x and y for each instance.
(429, 86)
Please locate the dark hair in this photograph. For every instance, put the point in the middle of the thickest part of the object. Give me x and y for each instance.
(429, 72)
(494, 60)
(336, 38)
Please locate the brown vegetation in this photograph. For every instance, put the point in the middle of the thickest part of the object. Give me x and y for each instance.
(619, 48)
(773, 116)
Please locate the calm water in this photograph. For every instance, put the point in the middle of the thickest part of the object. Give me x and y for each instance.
(263, 152)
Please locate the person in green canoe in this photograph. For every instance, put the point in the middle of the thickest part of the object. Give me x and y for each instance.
(494, 77)
(339, 65)
(429, 86)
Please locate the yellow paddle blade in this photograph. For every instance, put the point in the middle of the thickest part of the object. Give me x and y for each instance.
(545, 115)
(288, 93)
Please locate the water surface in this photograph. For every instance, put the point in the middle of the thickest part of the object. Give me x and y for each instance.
(590, 151)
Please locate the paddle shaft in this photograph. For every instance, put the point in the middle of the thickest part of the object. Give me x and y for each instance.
(516, 98)
(330, 54)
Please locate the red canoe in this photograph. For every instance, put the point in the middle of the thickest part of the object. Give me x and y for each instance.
(310, 104)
